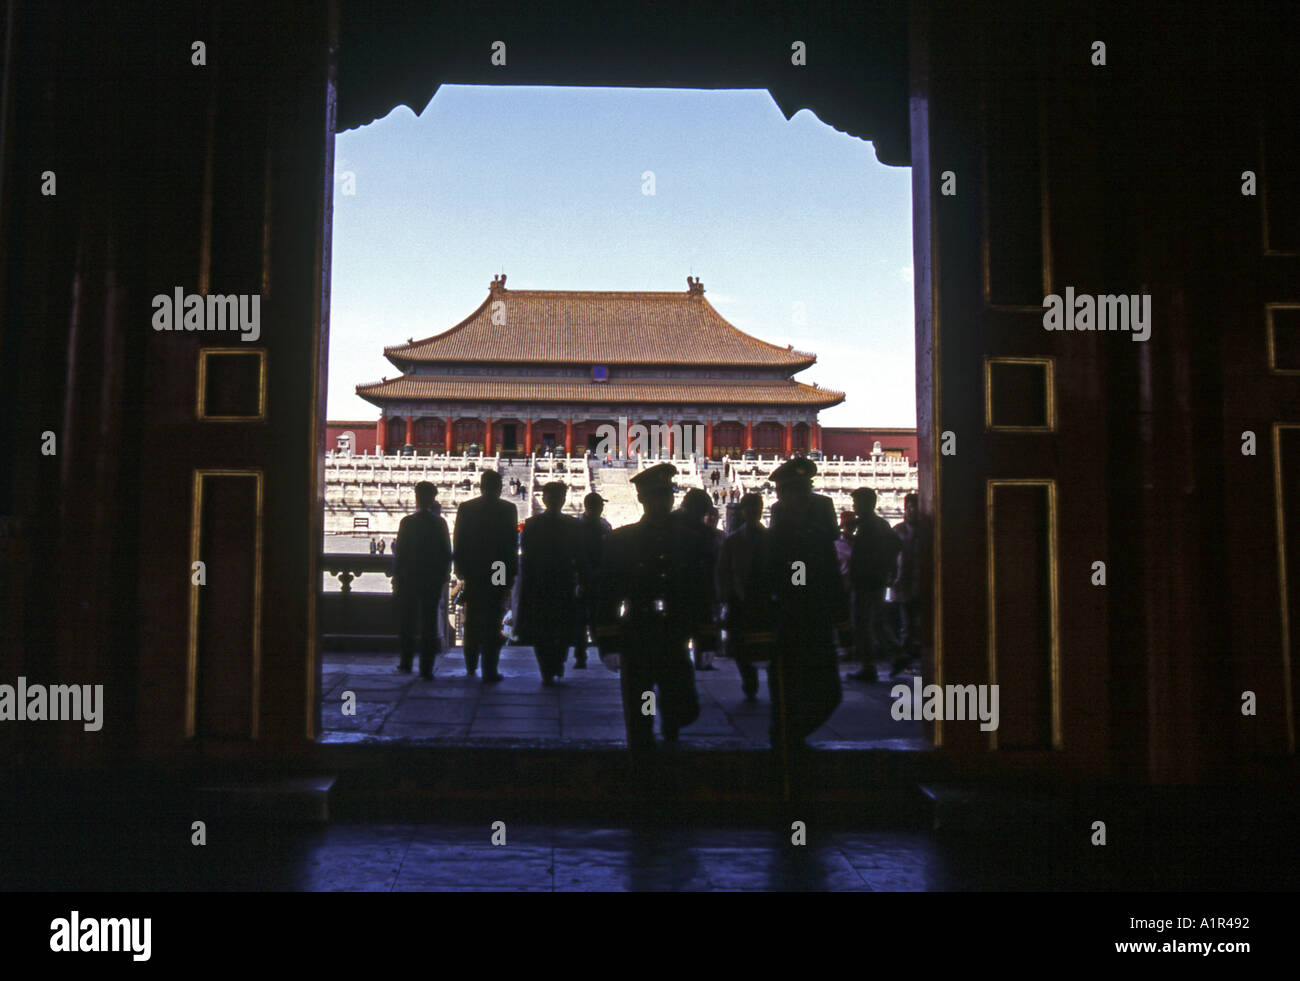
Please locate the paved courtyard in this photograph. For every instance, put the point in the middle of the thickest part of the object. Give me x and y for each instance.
(583, 706)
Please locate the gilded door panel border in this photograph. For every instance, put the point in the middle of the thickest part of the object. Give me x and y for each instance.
(1263, 195)
(192, 649)
(201, 388)
(1044, 210)
(1054, 646)
(1049, 367)
(1283, 581)
(1272, 346)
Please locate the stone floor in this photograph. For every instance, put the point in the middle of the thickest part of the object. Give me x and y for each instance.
(80, 854)
(539, 858)
(583, 706)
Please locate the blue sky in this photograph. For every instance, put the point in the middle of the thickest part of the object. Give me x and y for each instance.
(798, 233)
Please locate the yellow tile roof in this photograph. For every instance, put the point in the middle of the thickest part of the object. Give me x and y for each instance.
(568, 326)
(496, 389)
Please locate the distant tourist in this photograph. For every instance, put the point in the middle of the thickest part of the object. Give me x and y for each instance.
(742, 582)
(905, 591)
(702, 554)
(871, 567)
(593, 529)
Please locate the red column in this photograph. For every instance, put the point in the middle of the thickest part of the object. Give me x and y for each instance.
(816, 436)
(708, 439)
(379, 436)
(448, 434)
(789, 437)
(410, 430)
(528, 437)
(487, 438)
(749, 434)
(568, 437)
(669, 426)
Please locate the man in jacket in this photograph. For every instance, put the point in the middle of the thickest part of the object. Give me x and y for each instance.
(486, 553)
(548, 582)
(745, 589)
(593, 531)
(905, 590)
(810, 606)
(871, 567)
(421, 566)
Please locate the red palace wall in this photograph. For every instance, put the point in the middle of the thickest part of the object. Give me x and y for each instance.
(850, 443)
(363, 431)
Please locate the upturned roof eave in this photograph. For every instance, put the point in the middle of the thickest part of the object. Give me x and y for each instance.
(400, 356)
(830, 398)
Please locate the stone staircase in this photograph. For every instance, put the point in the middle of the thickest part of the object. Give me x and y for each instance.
(522, 469)
(621, 505)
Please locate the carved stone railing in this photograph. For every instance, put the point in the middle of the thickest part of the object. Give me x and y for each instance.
(346, 566)
(353, 620)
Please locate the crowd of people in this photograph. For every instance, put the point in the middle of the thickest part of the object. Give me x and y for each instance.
(660, 597)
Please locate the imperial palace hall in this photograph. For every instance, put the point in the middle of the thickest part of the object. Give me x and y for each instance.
(537, 370)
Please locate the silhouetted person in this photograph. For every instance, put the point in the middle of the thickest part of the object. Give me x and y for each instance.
(743, 581)
(593, 530)
(548, 582)
(421, 566)
(647, 602)
(905, 590)
(811, 604)
(703, 557)
(487, 559)
(871, 566)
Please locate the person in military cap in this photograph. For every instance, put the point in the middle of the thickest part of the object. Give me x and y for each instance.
(548, 582)
(593, 529)
(703, 559)
(810, 602)
(647, 604)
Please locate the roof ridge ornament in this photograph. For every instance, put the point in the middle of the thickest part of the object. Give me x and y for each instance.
(498, 284)
(693, 286)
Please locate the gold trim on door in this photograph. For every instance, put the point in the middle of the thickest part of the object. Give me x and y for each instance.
(1283, 581)
(1262, 177)
(1044, 208)
(192, 647)
(1268, 333)
(1054, 646)
(1049, 386)
(201, 388)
